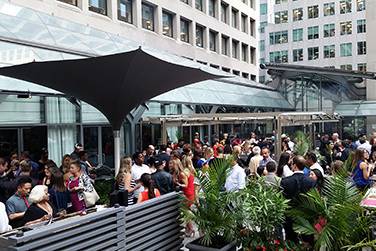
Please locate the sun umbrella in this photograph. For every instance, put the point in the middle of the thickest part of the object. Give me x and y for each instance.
(114, 84)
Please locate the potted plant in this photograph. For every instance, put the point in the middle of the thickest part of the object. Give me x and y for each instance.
(211, 211)
(303, 143)
(335, 217)
(261, 212)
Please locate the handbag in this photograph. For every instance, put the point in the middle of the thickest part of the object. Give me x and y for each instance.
(91, 198)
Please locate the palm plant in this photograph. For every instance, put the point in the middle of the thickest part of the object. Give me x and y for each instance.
(261, 213)
(212, 213)
(334, 217)
(303, 143)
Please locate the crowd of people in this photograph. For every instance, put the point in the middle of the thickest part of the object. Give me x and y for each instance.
(35, 191)
(176, 166)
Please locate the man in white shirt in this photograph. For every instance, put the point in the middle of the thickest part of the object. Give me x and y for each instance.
(236, 178)
(4, 221)
(311, 161)
(138, 169)
(364, 144)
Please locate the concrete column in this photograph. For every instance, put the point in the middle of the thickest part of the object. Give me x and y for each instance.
(137, 13)
(176, 26)
(192, 36)
(158, 20)
(112, 7)
(206, 39)
(219, 43)
(84, 5)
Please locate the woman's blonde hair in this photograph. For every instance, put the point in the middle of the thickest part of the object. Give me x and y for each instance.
(125, 167)
(187, 163)
(177, 163)
(37, 193)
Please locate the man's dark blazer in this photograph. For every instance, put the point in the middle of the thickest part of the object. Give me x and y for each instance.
(296, 184)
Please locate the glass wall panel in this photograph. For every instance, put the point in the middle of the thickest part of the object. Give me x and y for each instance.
(91, 144)
(108, 146)
(8, 142)
(15, 110)
(34, 139)
(61, 119)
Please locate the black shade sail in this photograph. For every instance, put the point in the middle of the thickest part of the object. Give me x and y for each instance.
(114, 84)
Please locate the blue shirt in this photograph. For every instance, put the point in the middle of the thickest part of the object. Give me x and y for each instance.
(16, 204)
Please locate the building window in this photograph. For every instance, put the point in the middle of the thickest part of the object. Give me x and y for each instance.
(234, 18)
(346, 28)
(297, 35)
(361, 26)
(275, 57)
(280, 1)
(200, 36)
(313, 11)
(262, 26)
(262, 79)
(281, 17)
(313, 32)
(284, 56)
(212, 8)
(72, 2)
(329, 30)
(313, 53)
(262, 45)
(345, 6)
(245, 52)
(224, 9)
(213, 40)
(360, 5)
(362, 67)
(199, 5)
(125, 10)
(329, 51)
(278, 57)
(167, 24)
(184, 30)
(329, 9)
(346, 50)
(252, 27)
(147, 17)
(253, 55)
(263, 9)
(279, 37)
(297, 14)
(362, 48)
(346, 67)
(235, 49)
(244, 23)
(235, 72)
(98, 6)
(297, 55)
(225, 45)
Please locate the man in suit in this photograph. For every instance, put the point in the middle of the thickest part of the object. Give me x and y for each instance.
(292, 187)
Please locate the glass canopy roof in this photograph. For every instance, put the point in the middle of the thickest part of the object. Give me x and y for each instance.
(27, 35)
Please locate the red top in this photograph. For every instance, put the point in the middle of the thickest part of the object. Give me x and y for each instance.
(144, 195)
(190, 189)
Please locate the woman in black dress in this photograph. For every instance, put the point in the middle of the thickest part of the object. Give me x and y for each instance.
(40, 210)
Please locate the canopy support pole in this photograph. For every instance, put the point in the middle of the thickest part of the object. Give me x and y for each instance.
(117, 151)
